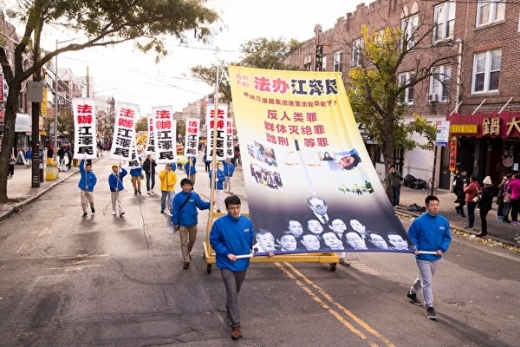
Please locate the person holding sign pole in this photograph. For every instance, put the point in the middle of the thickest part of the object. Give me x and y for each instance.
(430, 233)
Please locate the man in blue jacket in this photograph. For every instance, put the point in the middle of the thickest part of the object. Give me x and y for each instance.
(185, 217)
(429, 233)
(191, 170)
(136, 173)
(86, 184)
(220, 177)
(232, 235)
(229, 170)
(115, 182)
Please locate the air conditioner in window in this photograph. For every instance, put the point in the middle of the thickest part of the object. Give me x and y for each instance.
(432, 98)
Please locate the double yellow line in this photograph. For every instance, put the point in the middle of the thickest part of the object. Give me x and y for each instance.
(364, 332)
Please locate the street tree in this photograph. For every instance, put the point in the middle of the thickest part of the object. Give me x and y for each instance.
(141, 124)
(377, 95)
(100, 23)
(257, 53)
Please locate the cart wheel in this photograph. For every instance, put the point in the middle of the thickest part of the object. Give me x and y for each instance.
(208, 268)
(333, 267)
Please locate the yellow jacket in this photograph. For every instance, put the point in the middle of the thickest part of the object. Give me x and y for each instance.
(168, 180)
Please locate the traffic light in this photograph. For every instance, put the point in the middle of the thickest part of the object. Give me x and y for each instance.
(319, 59)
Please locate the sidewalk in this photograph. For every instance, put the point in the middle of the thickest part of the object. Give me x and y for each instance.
(498, 231)
(19, 187)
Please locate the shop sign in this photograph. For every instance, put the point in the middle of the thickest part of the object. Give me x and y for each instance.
(464, 129)
(491, 126)
(514, 123)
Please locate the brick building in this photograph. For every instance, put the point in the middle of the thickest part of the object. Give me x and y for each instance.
(471, 46)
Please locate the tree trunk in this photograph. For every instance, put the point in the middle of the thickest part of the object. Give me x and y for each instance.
(388, 154)
(8, 139)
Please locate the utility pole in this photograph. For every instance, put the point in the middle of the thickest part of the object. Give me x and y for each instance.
(35, 89)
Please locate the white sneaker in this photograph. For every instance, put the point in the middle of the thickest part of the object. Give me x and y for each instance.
(113, 213)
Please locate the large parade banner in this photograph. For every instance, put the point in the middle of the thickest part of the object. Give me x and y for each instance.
(310, 183)
(123, 144)
(83, 111)
(165, 134)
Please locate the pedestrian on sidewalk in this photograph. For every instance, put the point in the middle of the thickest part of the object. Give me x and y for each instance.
(429, 232)
(28, 157)
(149, 170)
(207, 162)
(232, 236)
(191, 170)
(185, 217)
(12, 161)
(136, 173)
(472, 189)
(86, 185)
(486, 201)
(115, 182)
(168, 179)
(458, 188)
(506, 192)
(394, 180)
(514, 185)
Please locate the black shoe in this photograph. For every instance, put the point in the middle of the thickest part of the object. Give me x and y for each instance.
(463, 215)
(457, 209)
(506, 220)
(481, 234)
(162, 211)
(135, 193)
(139, 192)
(186, 266)
(430, 313)
(84, 215)
(413, 299)
(93, 210)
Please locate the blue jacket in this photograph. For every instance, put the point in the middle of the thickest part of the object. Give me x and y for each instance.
(87, 178)
(188, 216)
(190, 169)
(229, 169)
(136, 171)
(116, 180)
(231, 235)
(430, 233)
(220, 177)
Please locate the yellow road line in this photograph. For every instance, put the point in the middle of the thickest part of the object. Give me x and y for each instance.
(331, 300)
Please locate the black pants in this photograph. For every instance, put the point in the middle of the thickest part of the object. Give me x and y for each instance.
(11, 170)
(514, 210)
(483, 221)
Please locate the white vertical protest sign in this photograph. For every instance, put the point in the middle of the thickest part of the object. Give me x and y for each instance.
(150, 142)
(165, 129)
(220, 119)
(191, 142)
(84, 128)
(124, 131)
(229, 138)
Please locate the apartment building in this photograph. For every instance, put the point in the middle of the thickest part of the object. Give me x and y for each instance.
(471, 47)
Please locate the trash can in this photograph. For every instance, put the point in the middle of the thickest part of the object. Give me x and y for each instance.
(51, 173)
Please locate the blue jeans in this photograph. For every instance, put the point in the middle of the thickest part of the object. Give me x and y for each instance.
(471, 213)
(150, 179)
(166, 196)
(396, 193)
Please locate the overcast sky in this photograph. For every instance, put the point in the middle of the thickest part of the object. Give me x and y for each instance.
(131, 76)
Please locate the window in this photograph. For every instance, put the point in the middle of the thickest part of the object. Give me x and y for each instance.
(409, 27)
(407, 78)
(444, 21)
(490, 11)
(486, 71)
(338, 59)
(440, 83)
(357, 53)
(324, 64)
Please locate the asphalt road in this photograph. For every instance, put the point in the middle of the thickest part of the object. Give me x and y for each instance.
(110, 281)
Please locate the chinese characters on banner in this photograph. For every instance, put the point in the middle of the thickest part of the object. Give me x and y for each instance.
(165, 130)
(220, 121)
(84, 128)
(229, 138)
(310, 183)
(123, 143)
(150, 143)
(191, 142)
